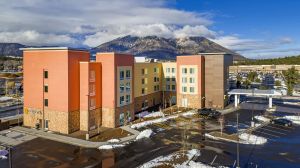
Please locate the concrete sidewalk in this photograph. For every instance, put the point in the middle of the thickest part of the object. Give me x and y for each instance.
(71, 140)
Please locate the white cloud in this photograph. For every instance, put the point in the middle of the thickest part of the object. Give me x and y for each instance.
(35, 38)
(111, 32)
(92, 22)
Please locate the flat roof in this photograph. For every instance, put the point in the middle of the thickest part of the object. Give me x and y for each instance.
(51, 48)
(256, 92)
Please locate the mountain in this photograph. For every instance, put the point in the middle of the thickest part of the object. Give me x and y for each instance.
(163, 48)
(10, 49)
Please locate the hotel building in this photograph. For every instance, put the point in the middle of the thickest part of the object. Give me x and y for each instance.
(65, 92)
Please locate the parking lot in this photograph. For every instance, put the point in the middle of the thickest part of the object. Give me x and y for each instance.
(176, 135)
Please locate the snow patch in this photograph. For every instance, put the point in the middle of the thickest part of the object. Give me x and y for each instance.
(159, 120)
(294, 119)
(3, 157)
(262, 118)
(155, 114)
(113, 141)
(111, 146)
(144, 134)
(166, 160)
(246, 138)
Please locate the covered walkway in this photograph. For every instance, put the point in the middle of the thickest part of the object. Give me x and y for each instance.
(253, 92)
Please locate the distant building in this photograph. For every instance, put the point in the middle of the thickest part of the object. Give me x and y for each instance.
(268, 80)
(65, 92)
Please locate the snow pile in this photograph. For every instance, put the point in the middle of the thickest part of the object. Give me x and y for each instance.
(169, 158)
(244, 139)
(252, 139)
(111, 146)
(3, 157)
(294, 119)
(291, 103)
(262, 118)
(155, 114)
(189, 113)
(218, 138)
(159, 120)
(113, 141)
(144, 134)
(4, 98)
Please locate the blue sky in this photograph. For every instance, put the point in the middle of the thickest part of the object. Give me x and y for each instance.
(253, 28)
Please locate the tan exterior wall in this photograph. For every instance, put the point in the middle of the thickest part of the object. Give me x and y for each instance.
(216, 75)
(262, 68)
(149, 78)
(169, 77)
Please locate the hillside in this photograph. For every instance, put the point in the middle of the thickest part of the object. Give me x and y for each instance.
(11, 49)
(163, 48)
(292, 60)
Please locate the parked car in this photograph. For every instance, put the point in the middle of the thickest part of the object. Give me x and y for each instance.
(282, 121)
(210, 113)
(214, 114)
(204, 111)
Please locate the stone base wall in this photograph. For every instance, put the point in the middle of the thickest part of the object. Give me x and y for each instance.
(153, 99)
(111, 117)
(95, 119)
(194, 101)
(57, 121)
(74, 121)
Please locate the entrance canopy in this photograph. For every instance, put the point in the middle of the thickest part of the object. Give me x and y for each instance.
(254, 92)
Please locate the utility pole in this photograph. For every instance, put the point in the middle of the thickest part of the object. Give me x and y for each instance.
(238, 142)
(10, 156)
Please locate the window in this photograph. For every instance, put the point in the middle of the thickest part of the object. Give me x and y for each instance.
(127, 86)
(121, 100)
(143, 91)
(127, 98)
(46, 74)
(121, 75)
(92, 103)
(122, 87)
(184, 80)
(192, 80)
(167, 79)
(173, 79)
(92, 76)
(168, 87)
(173, 87)
(145, 104)
(128, 74)
(144, 81)
(192, 70)
(154, 87)
(46, 88)
(156, 70)
(157, 87)
(92, 90)
(173, 70)
(184, 70)
(184, 89)
(156, 79)
(192, 89)
(168, 70)
(144, 71)
(46, 102)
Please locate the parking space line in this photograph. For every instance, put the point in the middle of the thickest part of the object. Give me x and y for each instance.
(273, 131)
(266, 134)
